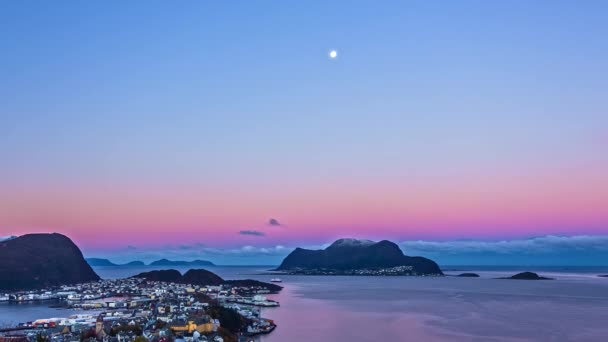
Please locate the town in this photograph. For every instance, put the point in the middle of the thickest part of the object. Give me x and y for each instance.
(388, 271)
(135, 309)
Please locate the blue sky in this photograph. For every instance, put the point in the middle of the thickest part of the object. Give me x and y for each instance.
(160, 121)
(93, 78)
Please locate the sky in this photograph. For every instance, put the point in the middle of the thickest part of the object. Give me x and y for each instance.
(225, 127)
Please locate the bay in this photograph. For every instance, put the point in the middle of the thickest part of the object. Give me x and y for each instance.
(574, 306)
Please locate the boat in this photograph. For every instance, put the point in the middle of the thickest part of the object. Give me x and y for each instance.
(276, 280)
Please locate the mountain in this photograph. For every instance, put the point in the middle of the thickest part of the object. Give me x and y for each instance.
(165, 262)
(346, 255)
(99, 262)
(35, 261)
(202, 277)
(106, 262)
(162, 262)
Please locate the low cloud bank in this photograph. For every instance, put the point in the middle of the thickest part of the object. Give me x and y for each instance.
(544, 250)
(536, 245)
(579, 250)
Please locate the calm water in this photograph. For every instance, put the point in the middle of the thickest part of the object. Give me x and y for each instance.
(574, 307)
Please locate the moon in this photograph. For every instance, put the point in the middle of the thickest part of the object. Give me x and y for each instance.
(333, 54)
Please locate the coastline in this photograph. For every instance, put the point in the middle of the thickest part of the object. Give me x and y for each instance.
(436, 308)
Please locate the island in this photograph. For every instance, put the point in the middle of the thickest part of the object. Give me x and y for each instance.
(527, 276)
(468, 275)
(358, 257)
(36, 261)
(171, 263)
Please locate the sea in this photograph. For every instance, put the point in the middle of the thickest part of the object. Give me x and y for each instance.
(573, 307)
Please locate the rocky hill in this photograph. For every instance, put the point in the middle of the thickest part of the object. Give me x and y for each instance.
(350, 254)
(36, 261)
(203, 277)
(168, 276)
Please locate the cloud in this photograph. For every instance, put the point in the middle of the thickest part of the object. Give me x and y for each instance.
(252, 233)
(237, 255)
(269, 255)
(256, 251)
(131, 247)
(536, 245)
(544, 250)
(587, 250)
(274, 222)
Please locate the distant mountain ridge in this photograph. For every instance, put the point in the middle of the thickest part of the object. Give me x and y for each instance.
(106, 262)
(35, 261)
(162, 262)
(165, 262)
(353, 254)
(99, 262)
